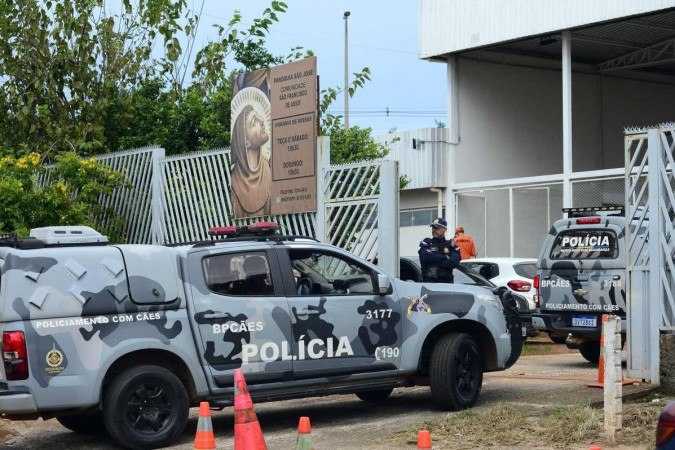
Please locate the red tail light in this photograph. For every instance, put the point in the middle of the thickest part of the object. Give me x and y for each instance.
(15, 355)
(665, 429)
(519, 285)
(535, 282)
(587, 220)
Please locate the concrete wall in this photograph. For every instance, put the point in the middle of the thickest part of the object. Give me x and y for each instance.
(417, 199)
(510, 122)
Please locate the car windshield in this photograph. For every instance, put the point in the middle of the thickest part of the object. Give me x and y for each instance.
(464, 275)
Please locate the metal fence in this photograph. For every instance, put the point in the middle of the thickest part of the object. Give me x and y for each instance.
(358, 204)
(196, 197)
(178, 198)
(509, 220)
(650, 239)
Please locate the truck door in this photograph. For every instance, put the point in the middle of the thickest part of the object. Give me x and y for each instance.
(340, 326)
(583, 275)
(241, 315)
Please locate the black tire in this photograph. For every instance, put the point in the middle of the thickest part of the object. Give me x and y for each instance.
(557, 339)
(375, 396)
(591, 351)
(145, 407)
(84, 424)
(455, 372)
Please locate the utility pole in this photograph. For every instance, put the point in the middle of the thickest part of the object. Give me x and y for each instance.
(346, 17)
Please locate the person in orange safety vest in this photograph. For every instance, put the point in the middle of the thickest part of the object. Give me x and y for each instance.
(465, 244)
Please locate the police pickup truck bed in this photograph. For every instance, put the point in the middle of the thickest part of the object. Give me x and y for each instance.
(125, 338)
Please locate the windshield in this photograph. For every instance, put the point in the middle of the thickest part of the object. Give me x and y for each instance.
(526, 270)
(464, 275)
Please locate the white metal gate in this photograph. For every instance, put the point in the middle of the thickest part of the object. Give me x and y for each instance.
(358, 210)
(650, 238)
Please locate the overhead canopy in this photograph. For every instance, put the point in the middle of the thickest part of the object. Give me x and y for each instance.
(617, 35)
(646, 43)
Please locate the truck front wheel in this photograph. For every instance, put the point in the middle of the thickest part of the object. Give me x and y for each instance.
(145, 407)
(455, 372)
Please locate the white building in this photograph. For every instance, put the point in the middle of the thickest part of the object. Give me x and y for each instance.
(539, 94)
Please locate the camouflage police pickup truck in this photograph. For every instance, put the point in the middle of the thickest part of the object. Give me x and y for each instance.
(125, 338)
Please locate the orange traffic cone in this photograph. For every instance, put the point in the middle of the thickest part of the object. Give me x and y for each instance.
(424, 439)
(205, 440)
(304, 441)
(601, 363)
(247, 432)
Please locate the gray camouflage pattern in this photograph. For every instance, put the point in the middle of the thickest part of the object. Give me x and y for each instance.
(82, 308)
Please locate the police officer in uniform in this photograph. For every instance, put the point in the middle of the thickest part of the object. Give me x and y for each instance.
(438, 256)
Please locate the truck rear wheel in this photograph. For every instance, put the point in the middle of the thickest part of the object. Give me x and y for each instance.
(455, 372)
(591, 351)
(83, 423)
(145, 407)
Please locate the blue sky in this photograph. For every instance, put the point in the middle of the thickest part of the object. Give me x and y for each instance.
(382, 36)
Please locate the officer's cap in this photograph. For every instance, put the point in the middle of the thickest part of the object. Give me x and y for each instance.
(440, 223)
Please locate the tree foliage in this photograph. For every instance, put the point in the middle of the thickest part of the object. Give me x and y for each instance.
(70, 195)
(78, 75)
(82, 77)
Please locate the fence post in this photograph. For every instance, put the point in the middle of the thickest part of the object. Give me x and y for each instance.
(611, 330)
(323, 161)
(388, 218)
(655, 299)
(157, 198)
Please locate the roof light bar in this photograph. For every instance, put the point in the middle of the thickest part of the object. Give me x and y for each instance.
(254, 229)
(594, 209)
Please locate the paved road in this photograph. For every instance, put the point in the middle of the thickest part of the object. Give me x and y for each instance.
(345, 422)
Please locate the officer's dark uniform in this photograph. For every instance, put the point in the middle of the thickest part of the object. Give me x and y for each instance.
(438, 257)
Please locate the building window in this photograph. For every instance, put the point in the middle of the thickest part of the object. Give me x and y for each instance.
(417, 217)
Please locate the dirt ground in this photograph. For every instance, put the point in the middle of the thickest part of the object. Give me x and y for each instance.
(534, 387)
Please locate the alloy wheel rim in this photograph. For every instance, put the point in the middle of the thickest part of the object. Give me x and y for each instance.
(149, 408)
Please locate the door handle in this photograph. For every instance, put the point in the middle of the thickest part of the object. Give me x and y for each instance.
(580, 292)
(215, 316)
(306, 312)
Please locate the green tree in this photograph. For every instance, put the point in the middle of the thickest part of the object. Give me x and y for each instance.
(68, 194)
(79, 76)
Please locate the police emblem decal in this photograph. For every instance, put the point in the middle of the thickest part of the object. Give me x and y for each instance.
(418, 305)
(54, 359)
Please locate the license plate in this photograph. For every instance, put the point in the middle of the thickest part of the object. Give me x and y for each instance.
(584, 321)
(524, 331)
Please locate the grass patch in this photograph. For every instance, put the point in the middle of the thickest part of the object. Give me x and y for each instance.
(536, 348)
(505, 425)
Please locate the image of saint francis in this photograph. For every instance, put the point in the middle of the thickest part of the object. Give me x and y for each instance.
(251, 146)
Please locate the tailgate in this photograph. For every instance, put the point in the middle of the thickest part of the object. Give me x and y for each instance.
(564, 288)
(582, 272)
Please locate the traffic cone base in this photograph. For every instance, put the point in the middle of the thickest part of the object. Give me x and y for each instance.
(424, 439)
(204, 439)
(247, 432)
(304, 441)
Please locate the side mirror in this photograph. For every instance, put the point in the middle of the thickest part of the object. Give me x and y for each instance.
(383, 284)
